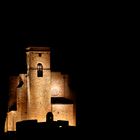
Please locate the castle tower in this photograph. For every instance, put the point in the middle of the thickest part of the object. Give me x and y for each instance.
(38, 82)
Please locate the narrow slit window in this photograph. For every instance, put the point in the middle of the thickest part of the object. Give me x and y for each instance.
(39, 70)
(40, 54)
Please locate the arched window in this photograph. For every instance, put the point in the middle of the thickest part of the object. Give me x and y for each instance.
(39, 70)
(49, 117)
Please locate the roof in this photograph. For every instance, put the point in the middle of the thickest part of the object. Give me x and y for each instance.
(37, 49)
(60, 100)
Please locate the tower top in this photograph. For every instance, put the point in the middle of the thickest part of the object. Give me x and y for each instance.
(37, 49)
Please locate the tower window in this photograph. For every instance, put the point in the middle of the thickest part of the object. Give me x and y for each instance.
(40, 54)
(39, 70)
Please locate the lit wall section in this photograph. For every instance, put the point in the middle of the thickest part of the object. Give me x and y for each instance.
(57, 84)
(63, 112)
(22, 98)
(10, 124)
(12, 104)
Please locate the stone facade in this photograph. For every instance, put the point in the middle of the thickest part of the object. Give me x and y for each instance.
(32, 93)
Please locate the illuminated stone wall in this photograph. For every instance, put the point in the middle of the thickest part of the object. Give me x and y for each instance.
(63, 112)
(57, 84)
(32, 98)
(18, 98)
(39, 101)
(22, 99)
(10, 124)
(67, 94)
(39, 97)
(12, 104)
(37, 55)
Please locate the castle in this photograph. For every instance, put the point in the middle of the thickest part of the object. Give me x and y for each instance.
(39, 91)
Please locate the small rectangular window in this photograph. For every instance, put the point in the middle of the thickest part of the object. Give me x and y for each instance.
(39, 73)
(39, 70)
(40, 54)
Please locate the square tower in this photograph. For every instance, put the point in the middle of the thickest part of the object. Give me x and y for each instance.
(38, 82)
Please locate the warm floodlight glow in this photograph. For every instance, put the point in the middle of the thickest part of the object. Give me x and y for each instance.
(31, 93)
(55, 90)
(64, 112)
(57, 84)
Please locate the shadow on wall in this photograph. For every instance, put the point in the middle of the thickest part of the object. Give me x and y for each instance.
(4, 86)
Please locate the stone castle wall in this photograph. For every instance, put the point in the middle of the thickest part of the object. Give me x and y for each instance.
(30, 95)
(64, 112)
(57, 84)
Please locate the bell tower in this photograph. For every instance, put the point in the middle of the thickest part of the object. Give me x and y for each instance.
(38, 83)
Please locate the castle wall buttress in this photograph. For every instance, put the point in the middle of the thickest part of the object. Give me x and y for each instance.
(22, 98)
(10, 122)
(11, 119)
(70, 95)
